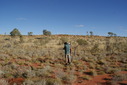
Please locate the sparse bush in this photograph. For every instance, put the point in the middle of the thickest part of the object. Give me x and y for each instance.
(85, 68)
(1, 73)
(4, 56)
(48, 81)
(45, 72)
(3, 82)
(52, 81)
(100, 72)
(30, 33)
(92, 65)
(42, 41)
(28, 82)
(63, 40)
(45, 32)
(101, 62)
(7, 45)
(86, 77)
(95, 49)
(119, 77)
(41, 58)
(111, 34)
(82, 42)
(67, 77)
(15, 32)
(91, 33)
(92, 73)
(110, 70)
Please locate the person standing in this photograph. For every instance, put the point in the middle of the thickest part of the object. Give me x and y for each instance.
(67, 49)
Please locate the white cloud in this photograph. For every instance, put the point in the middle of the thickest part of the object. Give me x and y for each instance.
(21, 19)
(80, 25)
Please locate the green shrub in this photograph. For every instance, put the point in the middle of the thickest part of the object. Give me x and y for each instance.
(63, 40)
(110, 70)
(92, 73)
(45, 32)
(3, 82)
(101, 61)
(42, 41)
(50, 81)
(92, 65)
(30, 33)
(86, 77)
(15, 32)
(119, 77)
(95, 49)
(82, 42)
(100, 72)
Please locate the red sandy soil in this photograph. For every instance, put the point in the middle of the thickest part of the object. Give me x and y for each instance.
(123, 72)
(18, 81)
(123, 82)
(100, 80)
(95, 80)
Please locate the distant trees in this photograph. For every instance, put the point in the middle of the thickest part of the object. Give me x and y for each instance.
(89, 33)
(30, 33)
(115, 34)
(15, 32)
(111, 34)
(46, 32)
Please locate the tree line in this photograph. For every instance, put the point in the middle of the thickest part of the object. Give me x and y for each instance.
(16, 32)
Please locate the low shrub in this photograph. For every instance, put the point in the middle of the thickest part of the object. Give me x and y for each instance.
(63, 40)
(110, 70)
(86, 77)
(82, 42)
(92, 73)
(3, 82)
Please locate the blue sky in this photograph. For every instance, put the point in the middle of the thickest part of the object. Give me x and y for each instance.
(64, 16)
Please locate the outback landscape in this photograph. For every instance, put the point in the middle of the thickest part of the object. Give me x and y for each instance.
(36, 37)
(39, 60)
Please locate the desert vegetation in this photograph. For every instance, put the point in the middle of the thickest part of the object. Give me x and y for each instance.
(39, 60)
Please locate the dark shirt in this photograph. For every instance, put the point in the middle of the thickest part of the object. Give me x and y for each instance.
(67, 48)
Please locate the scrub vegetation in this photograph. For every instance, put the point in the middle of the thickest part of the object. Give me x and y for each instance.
(39, 60)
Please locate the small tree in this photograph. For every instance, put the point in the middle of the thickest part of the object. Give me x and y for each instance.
(15, 32)
(115, 34)
(91, 33)
(45, 32)
(30, 33)
(110, 34)
(87, 33)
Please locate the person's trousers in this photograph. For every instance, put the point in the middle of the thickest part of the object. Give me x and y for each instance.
(68, 58)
